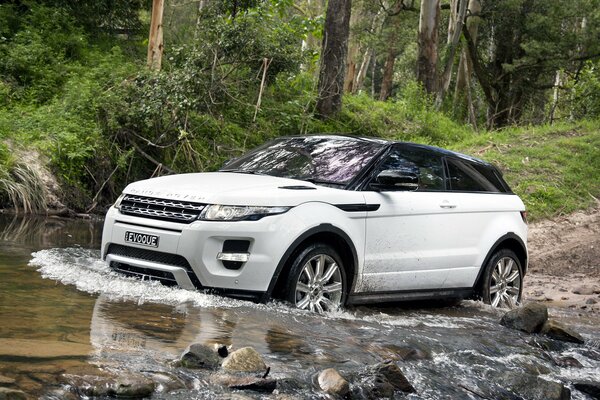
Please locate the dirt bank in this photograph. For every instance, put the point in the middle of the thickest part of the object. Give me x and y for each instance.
(564, 268)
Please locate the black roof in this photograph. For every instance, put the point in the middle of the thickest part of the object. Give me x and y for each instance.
(438, 150)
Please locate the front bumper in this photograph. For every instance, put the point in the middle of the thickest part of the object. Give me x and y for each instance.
(199, 245)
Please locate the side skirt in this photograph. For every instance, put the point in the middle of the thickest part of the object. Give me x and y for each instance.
(409, 295)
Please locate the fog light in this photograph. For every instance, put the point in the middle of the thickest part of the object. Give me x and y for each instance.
(238, 257)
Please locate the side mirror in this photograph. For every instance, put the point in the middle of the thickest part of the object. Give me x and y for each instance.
(392, 179)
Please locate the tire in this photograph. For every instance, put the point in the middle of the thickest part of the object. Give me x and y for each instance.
(502, 284)
(316, 279)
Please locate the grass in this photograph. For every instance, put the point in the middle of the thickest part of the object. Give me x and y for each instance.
(555, 169)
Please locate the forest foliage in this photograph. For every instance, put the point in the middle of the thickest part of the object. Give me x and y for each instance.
(74, 84)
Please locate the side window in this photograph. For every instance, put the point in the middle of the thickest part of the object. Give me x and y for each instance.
(428, 166)
(470, 177)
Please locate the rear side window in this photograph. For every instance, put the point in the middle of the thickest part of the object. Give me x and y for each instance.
(471, 177)
(426, 164)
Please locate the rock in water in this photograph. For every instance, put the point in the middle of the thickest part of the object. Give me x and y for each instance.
(199, 356)
(6, 381)
(558, 331)
(136, 387)
(529, 318)
(532, 387)
(332, 382)
(394, 375)
(11, 394)
(245, 359)
(592, 389)
(246, 383)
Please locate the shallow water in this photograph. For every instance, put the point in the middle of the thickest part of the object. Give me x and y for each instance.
(63, 312)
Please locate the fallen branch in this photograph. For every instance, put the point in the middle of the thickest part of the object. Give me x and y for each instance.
(150, 158)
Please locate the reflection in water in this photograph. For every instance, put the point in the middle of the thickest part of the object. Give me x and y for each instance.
(83, 319)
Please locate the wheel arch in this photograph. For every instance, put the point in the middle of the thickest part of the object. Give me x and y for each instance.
(324, 233)
(509, 241)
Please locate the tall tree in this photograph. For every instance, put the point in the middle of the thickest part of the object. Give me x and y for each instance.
(333, 58)
(155, 40)
(427, 57)
(462, 88)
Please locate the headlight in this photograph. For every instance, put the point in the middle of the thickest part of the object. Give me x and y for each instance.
(216, 212)
(117, 204)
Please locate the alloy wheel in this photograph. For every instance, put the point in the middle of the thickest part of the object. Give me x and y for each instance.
(505, 284)
(319, 287)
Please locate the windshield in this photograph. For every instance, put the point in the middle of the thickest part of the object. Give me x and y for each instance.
(318, 159)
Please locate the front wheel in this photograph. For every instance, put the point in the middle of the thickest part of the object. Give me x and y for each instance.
(317, 279)
(503, 280)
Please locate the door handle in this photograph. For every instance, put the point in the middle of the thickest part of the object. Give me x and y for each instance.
(446, 204)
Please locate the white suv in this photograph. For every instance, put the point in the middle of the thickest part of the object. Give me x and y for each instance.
(323, 221)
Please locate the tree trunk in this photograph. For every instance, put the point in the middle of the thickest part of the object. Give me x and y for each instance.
(333, 58)
(155, 40)
(388, 75)
(427, 42)
(362, 71)
(353, 51)
(465, 67)
(457, 19)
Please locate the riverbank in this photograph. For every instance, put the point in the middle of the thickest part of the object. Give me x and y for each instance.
(564, 268)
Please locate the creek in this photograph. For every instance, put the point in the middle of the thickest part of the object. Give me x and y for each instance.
(64, 313)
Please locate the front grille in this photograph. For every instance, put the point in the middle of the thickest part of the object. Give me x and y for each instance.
(159, 257)
(149, 255)
(166, 278)
(162, 209)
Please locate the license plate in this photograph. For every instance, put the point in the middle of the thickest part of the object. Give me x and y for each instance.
(141, 238)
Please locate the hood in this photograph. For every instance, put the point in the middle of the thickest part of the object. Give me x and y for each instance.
(232, 188)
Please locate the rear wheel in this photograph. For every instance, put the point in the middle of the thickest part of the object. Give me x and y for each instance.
(503, 280)
(317, 279)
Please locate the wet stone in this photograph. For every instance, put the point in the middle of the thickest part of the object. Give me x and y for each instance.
(592, 389)
(389, 370)
(200, 356)
(166, 382)
(330, 381)
(558, 331)
(534, 388)
(245, 359)
(529, 318)
(6, 381)
(130, 387)
(568, 362)
(591, 301)
(11, 394)
(256, 384)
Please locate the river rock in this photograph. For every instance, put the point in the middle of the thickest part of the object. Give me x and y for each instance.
(591, 301)
(592, 389)
(389, 370)
(558, 331)
(11, 394)
(568, 362)
(547, 344)
(245, 359)
(6, 381)
(584, 290)
(534, 388)
(529, 318)
(256, 384)
(200, 356)
(330, 381)
(133, 386)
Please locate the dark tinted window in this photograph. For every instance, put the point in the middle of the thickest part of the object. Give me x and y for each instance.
(471, 177)
(321, 159)
(427, 165)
